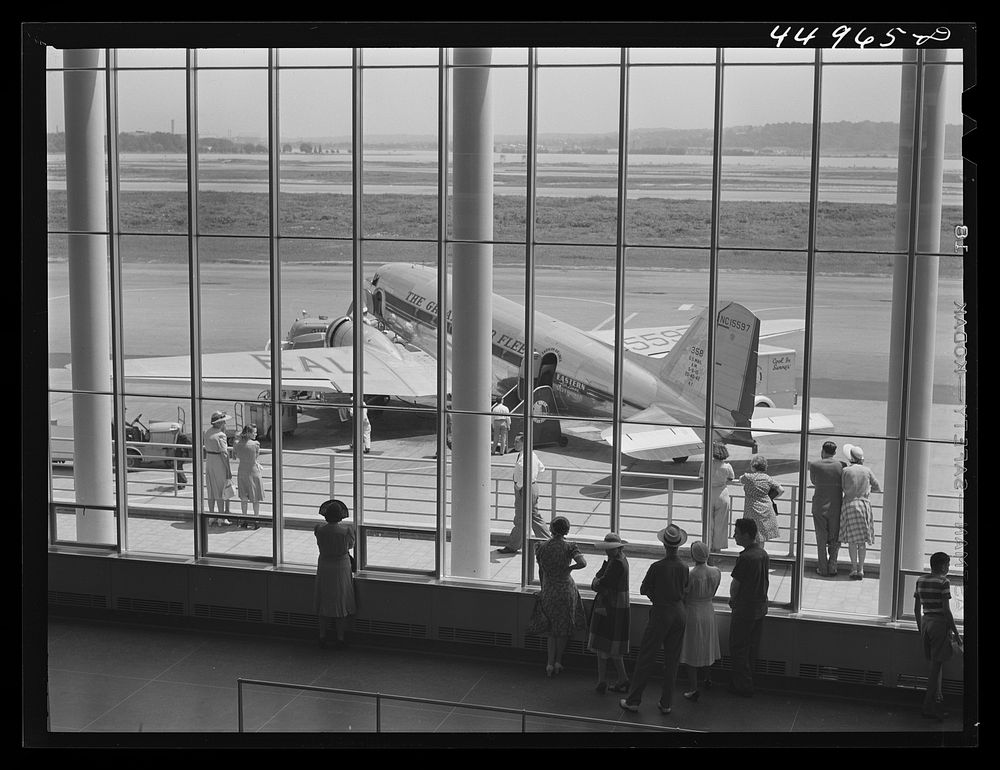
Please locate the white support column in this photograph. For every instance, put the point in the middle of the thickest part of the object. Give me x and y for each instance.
(472, 311)
(911, 392)
(89, 293)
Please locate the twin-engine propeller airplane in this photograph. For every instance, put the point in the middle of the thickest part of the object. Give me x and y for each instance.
(664, 373)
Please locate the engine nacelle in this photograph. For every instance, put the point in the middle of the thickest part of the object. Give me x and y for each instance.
(307, 333)
(340, 333)
(319, 332)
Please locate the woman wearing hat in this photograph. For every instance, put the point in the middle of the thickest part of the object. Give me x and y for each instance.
(609, 621)
(217, 470)
(857, 525)
(559, 611)
(759, 491)
(249, 473)
(334, 589)
(701, 637)
(721, 474)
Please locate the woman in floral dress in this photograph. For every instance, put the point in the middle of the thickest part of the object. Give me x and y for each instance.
(559, 611)
(759, 490)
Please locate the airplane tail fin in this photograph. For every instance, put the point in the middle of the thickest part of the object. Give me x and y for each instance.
(735, 371)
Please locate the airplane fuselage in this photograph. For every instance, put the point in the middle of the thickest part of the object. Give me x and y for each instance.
(404, 298)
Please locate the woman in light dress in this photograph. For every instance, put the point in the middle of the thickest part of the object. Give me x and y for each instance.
(701, 636)
(249, 474)
(217, 469)
(718, 495)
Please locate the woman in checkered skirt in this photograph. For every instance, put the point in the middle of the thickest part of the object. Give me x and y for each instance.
(857, 525)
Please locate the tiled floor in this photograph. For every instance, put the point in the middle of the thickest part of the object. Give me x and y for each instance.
(146, 685)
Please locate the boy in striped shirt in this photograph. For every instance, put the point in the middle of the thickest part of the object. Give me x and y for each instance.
(936, 624)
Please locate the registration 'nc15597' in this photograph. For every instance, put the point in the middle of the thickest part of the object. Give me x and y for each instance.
(733, 323)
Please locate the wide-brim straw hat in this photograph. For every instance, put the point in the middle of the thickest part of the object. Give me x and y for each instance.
(854, 453)
(672, 535)
(610, 542)
(219, 417)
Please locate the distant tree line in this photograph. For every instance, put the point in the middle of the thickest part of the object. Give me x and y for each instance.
(864, 137)
(160, 141)
(844, 137)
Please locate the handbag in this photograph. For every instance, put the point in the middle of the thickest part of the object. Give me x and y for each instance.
(595, 584)
(229, 490)
(957, 647)
(538, 622)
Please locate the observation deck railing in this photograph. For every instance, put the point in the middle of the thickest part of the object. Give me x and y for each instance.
(400, 492)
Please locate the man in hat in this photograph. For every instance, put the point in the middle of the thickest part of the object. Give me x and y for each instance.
(537, 525)
(824, 475)
(748, 602)
(217, 468)
(665, 585)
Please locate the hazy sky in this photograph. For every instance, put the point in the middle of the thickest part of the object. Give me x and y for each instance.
(571, 99)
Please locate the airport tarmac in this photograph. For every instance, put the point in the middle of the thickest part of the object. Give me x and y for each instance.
(850, 340)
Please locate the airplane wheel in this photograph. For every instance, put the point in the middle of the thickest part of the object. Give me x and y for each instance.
(679, 460)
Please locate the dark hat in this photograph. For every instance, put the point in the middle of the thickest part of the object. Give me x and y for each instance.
(334, 510)
(611, 541)
(672, 535)
(219, 417)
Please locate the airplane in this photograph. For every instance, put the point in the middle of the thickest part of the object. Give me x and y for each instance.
(572, 370)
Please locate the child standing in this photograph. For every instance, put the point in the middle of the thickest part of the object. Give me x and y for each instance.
(931, 606)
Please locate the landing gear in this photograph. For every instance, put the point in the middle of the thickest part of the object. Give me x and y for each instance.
(680, 460)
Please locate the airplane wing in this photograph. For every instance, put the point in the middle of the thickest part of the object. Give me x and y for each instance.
(645, 441)
(656, 341)
(413, 375)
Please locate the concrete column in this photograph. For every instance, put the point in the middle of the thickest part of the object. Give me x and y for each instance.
(911, 490)
(472, 311)
(89, 294)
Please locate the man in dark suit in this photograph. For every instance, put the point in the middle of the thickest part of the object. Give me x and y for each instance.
(665, 584)
(748, 602)
(824, 475)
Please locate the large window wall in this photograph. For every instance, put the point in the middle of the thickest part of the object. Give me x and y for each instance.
(254, 201)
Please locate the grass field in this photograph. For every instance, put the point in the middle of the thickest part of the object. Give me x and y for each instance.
(582, 231)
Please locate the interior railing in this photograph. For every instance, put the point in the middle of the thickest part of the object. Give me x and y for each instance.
(379, 698)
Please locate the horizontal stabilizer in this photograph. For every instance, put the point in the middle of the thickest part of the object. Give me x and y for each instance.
(657, 442)
(657, 341)
(770, 425)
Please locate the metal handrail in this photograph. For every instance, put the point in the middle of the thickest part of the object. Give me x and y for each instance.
(683, 506)
(379, 697)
